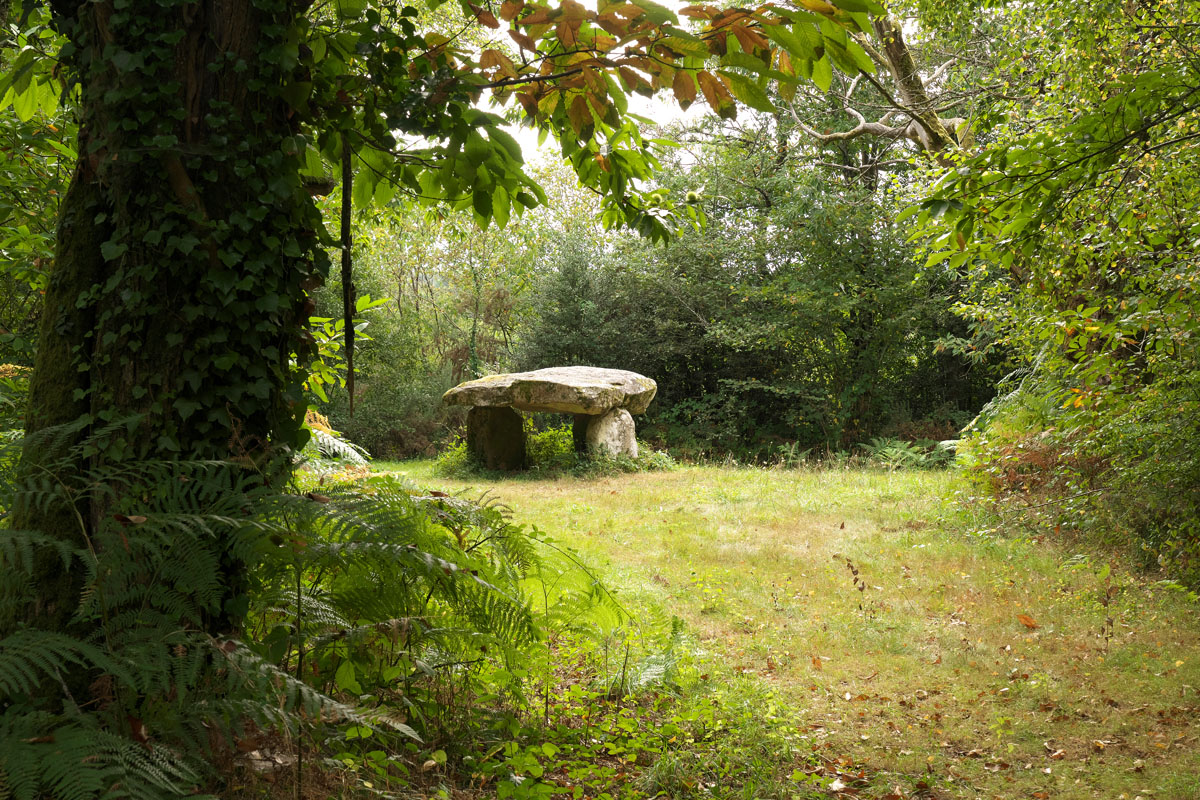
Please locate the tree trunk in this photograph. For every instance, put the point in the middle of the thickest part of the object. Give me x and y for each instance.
(930, 130)
(175, 322)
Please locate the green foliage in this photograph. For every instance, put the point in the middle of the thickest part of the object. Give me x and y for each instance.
(551, 453)
(36, 156)
(1077, 234)
(797, 315)
(899, 454)
(458, 300)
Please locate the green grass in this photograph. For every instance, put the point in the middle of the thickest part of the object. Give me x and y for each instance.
(890, 637)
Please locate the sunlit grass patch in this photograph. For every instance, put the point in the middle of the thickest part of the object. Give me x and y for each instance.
(892, 636)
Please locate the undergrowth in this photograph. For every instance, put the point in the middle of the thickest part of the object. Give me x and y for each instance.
(218, 615)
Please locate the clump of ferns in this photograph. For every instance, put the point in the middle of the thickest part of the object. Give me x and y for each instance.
(419, 596)
(148, 681)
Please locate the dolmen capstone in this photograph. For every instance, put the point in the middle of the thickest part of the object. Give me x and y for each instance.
(603, 402)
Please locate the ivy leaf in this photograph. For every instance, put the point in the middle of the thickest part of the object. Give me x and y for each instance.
(111, 250)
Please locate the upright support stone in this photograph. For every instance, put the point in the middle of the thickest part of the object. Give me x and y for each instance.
(613, 433)
(496, 437)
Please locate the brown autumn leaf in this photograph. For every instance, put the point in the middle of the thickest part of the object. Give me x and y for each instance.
(567, 33)
(510, 8)
(613, 24)
(749, 39)
(484, 17)
(628, 11)
(632, 80)
(684, 87)
(1028, 621)
(539, 17)
(525, 42)
(529, 103)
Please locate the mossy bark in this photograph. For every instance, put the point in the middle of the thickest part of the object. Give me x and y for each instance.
(176, 317)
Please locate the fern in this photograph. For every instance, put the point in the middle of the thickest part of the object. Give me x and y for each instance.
(29, 657)
(372, 570)
(326, 446)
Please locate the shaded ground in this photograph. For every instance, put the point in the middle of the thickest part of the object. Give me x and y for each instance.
(1001, 668)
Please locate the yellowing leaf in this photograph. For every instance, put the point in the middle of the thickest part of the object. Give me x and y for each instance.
(820, 6)
(579, 114)
(717, 94)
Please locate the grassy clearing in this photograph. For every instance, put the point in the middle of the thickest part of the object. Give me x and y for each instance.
(888, 636)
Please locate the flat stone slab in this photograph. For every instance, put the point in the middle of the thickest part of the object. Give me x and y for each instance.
(561, 390)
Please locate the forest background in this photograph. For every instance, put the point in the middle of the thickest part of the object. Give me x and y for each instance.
(971, 220)
(853, 278)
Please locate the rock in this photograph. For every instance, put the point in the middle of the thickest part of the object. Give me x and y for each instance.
(496, 437)
(563, 390)
(613, 432)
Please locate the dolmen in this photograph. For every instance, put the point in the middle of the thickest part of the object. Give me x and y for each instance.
(603, 402)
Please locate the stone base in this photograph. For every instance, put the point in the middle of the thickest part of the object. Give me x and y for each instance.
(613, 433)
(496, 438)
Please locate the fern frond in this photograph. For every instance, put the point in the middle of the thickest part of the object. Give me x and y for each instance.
(28, 657)
(334, 448)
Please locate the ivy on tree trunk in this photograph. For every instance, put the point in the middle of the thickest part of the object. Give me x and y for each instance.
(175, 324)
